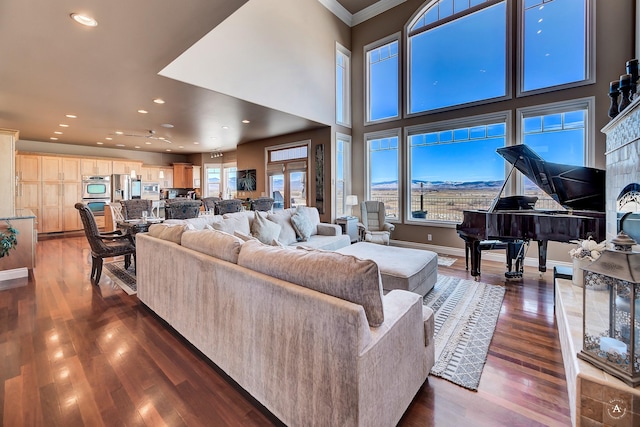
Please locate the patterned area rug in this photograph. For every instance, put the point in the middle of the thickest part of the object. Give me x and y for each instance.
(126, 279)
(445, 260)
(466, 313)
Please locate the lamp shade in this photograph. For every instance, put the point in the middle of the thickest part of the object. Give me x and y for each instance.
(352, 200)
(133, 174)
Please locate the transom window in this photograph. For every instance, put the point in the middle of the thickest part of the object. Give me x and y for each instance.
(343, 86)
(457, 55)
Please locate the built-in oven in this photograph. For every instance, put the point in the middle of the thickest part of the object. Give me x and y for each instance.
(96, 187)
(96, 192)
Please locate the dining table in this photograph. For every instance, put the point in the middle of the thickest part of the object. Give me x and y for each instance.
(131, 227)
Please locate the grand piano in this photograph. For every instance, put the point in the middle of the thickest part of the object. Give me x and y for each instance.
(512, 222)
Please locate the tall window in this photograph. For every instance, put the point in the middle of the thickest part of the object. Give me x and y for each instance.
(383, 170)
(457, 54)
(555, 43)
(230, 187)
(213, 181)
(343, 86)
(382, 79)
(342, 170)
(453, 166)
(559, 133)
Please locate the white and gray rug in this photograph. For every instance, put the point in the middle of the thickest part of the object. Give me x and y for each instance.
(466, 313)
(445, 260)
(124, 278)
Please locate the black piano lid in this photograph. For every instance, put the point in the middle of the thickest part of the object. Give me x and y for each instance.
(573, 187)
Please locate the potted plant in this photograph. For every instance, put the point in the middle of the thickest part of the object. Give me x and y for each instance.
(584, 254)
(8, 241)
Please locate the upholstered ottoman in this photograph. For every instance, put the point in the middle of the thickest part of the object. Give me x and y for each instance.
(413, 270)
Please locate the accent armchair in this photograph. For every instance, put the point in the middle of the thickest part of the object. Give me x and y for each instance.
(229, 206)
(373, 226)
(132, 209)
(264, 204)
(210, 204)
(103, 245)
(182, 209)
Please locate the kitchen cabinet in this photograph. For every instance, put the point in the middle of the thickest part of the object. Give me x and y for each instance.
(151, 173)
(61, 190)
(96, 166)
(125, 167)
(167, 181)
(182, 175)
(28, 187)
(61, 169)
(8, 170)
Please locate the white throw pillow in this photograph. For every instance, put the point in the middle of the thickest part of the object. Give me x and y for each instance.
(302, 224)
(264, 230)
(232, 224)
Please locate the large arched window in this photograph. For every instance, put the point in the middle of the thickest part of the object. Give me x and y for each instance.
(457, 54)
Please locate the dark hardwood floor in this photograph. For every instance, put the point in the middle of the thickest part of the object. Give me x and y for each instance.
(73, 354)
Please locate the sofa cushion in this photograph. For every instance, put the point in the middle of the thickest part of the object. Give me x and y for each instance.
(342, 276)
(170, 232)
(264, 230)
(287, 234)
(201, 222)
(242, 236)
(302, 224)
(217, 244)
(233, 223)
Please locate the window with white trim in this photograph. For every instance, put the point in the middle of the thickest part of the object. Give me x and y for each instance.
(342, 170)
(453, 166)
(383, 80)
(343, 85)
(383, 162)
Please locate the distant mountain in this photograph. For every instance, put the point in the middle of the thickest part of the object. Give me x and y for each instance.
(441, 185)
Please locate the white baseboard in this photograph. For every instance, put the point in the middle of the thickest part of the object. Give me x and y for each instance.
(16, 273)
(498, 256)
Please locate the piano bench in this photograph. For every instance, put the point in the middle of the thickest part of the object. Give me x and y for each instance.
(484, 245)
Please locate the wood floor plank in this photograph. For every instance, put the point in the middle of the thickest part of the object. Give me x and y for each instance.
(74, 354)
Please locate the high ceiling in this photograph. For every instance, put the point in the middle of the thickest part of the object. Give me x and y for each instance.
(52, 67)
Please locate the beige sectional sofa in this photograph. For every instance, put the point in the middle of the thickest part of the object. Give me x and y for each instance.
(308, 333)
(321, 235)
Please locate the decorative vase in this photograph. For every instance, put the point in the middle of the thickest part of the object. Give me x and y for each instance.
(578, 274)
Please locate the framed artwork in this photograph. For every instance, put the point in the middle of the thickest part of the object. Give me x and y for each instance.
(319, 159)
(246, 180)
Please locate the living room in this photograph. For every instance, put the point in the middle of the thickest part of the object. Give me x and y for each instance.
(314, 122)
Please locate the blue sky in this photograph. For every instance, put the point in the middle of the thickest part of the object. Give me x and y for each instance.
(464, 61)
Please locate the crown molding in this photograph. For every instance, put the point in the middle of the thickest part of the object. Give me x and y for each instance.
(337, 9)
(352, 20)
(374, 10)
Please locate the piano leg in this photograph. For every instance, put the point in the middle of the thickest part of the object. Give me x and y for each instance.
(542, 256)
(472, 251)
(515, 255)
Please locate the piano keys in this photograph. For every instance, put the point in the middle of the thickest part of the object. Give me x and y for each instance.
(516, 222)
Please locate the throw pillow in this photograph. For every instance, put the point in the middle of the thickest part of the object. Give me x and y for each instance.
(170, 232)
(264, 230)
(243, 237)
(287, 232)
(231, 224)
(302, 224)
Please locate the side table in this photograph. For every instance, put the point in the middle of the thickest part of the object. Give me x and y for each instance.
(349, 226)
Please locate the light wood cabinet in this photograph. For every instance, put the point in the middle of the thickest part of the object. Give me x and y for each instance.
(51, 206)
(167, 181)
(28, 167)
(125, 167)
(71, 194)
(61, 190)
(182, 175)
(96, 167)
(8, 171)
(61, 169)
(150, 173)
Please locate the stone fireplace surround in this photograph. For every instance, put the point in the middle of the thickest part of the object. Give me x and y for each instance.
(595, 397)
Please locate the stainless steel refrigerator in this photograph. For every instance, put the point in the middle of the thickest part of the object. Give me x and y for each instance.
(120, 187)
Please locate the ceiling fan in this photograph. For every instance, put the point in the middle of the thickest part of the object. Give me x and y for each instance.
(151, 134)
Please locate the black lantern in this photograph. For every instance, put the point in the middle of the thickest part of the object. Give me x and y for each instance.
(611, 313)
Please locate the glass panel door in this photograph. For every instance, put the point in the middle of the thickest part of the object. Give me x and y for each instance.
(276, 188)
(298, 188)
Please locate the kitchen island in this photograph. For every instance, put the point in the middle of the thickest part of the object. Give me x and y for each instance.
(23, 257)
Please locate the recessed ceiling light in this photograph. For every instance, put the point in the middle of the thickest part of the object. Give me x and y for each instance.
(159, 101)
(148, 142)
(99, 142)
(53, 138)
(245, 121)
(161, 137)
(137, 146)
(168, 149)
(109, 138)
(62, 125)
(58, 132)
(72, 116)
(120, 145)
(142, 111)
(196, 143)
(180, 146)
(84, 20)
(225, 127)
(167, 125)
(119, 132)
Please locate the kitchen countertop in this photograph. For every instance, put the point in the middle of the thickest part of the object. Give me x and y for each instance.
(17, 214)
